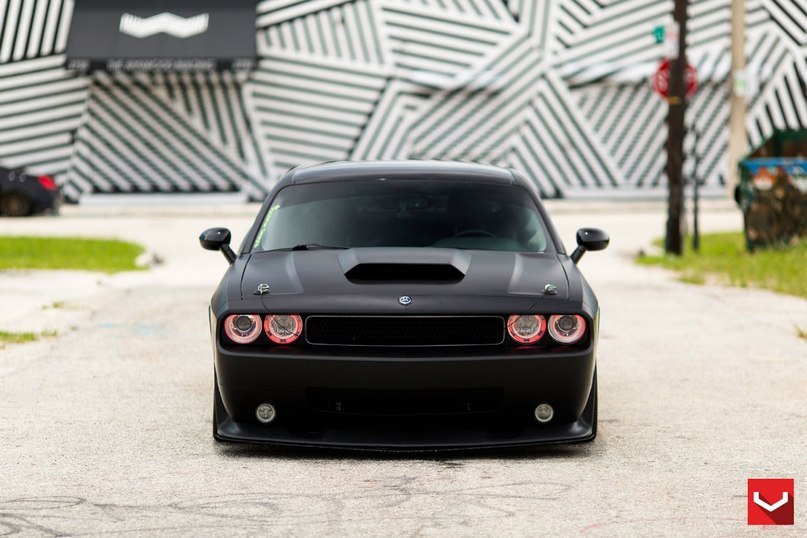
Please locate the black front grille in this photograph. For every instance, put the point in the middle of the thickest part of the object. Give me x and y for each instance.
(405, 330)
(405, 402)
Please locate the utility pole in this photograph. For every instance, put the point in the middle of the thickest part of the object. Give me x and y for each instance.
(673, 243)
(738, 143)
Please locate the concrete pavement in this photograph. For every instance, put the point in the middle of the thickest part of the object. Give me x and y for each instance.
(106, 427)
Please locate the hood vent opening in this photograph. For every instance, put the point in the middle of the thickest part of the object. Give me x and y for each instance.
(404, 272)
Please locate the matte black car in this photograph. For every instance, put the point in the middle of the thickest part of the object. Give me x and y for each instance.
(404, 305)
(22, 194)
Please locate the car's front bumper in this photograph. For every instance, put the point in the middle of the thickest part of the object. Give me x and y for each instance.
(512, 384)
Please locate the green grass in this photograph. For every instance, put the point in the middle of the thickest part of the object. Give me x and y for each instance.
(21, 338)
(17, 338)
(105, 255)
(723, 259)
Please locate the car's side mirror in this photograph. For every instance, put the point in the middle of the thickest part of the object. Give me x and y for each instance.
(218, 239)
(589, 239)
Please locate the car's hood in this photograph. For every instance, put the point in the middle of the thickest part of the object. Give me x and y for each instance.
(371, 280)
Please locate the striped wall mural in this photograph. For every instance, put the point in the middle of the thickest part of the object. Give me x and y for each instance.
(556, 88)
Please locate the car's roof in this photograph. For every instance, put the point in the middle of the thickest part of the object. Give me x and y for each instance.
(364, 170)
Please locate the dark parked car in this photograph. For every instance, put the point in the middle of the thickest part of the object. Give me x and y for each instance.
(22, 194)
(404, 305)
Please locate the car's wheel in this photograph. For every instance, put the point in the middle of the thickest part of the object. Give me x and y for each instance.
(14, 204)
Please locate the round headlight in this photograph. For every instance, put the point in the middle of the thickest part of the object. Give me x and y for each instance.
(567, 328)
(527, 328)
(242, 328)
(283, 328)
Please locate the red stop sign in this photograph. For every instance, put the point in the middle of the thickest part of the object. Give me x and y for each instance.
(661, 79)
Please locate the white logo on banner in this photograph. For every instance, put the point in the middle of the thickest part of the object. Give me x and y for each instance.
(164, 22)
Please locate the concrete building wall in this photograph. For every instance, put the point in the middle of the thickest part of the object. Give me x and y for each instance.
(556, 88)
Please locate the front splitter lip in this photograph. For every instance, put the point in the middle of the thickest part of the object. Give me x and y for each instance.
(464, 437)
(461, 439)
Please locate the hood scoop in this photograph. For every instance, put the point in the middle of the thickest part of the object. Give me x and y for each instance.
(403, 272)
(369, 265)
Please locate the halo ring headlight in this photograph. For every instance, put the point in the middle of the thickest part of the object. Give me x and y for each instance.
(567, 328)
(283, 328)
(526, 329)
(242, 328)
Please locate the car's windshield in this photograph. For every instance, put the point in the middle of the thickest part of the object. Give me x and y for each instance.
(403, 213)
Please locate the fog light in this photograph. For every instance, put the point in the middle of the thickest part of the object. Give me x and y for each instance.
(266, 413)
(544, 413)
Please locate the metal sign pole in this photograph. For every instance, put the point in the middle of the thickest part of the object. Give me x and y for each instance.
(673, 243)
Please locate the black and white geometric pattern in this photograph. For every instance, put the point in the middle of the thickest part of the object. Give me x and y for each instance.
(138, 137)
(556, 88)
(41, 107)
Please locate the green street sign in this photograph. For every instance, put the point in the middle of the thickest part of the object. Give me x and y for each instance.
(658, 33)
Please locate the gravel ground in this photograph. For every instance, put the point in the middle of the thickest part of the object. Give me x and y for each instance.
(107, 425)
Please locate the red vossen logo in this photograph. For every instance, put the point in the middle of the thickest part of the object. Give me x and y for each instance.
(770, 501)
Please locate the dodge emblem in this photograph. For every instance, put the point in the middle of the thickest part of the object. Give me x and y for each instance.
(263, 289)
(404, 300)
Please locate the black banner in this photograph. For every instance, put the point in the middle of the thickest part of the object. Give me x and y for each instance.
(169, 35)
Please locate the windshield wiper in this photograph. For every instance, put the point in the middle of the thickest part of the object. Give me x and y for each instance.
(309, 246)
